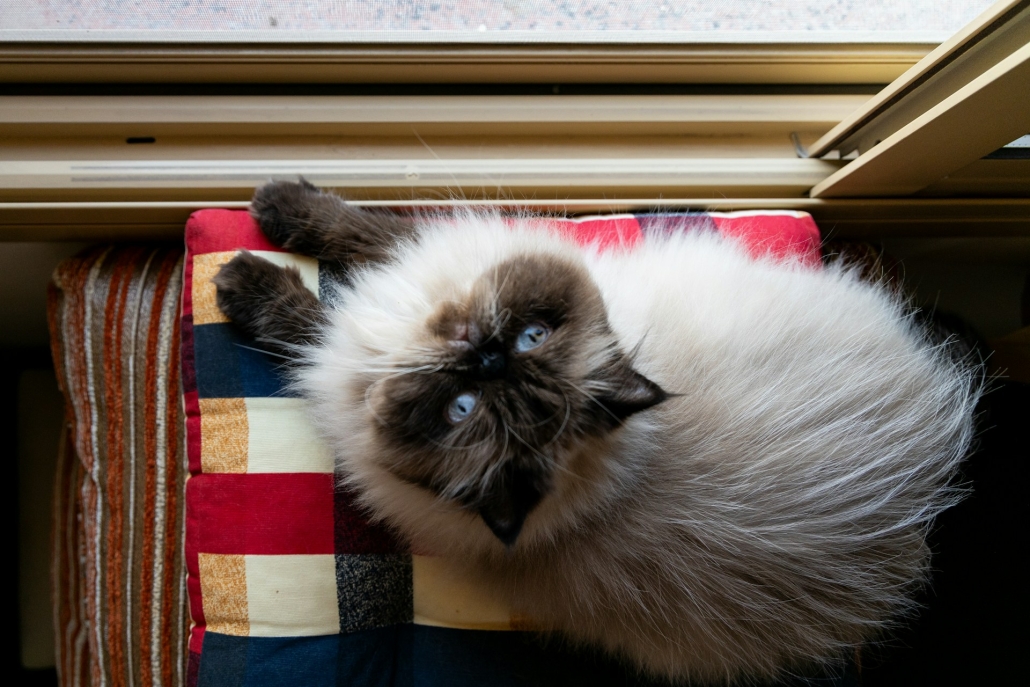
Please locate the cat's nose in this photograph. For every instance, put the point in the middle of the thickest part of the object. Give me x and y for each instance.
(492, 364)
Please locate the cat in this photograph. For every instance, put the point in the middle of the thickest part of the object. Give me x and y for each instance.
(714, 465)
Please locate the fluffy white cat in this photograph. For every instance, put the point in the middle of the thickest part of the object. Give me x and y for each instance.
(713, 465)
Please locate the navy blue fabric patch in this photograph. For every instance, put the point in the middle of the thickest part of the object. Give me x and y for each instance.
(308, 661)
(223, 661)
(230, 365)
(402, 656)
(674, 223)
(374, 658)
(421, 656)
(444, 657)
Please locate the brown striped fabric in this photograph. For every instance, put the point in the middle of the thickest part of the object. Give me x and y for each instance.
(119, 579)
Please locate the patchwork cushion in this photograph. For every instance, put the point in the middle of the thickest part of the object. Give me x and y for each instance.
(288, 581)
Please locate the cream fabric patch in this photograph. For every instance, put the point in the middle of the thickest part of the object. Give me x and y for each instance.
(308, 267)
(282, 438)
(445, 597)
(292, 595)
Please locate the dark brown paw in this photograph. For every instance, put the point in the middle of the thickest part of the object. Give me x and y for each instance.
(287, 212)
(248, 287)
(270, 303)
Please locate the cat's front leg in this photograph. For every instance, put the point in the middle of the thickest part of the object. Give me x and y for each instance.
(304, 219)
(270, 303)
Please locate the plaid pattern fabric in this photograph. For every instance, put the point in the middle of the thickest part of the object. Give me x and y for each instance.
(118, 573)
(288, 581)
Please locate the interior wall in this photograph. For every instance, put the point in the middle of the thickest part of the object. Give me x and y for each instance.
(40, 418)
(982, 280)
(25, 270)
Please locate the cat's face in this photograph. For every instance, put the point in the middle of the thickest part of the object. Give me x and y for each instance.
(512, 379)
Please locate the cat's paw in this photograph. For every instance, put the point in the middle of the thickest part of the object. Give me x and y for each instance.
(284, 211)
(247, 286)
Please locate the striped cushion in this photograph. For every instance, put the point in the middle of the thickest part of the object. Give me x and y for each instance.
(287, 579)
(119, 578)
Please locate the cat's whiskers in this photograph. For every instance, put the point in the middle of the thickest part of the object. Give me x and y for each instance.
(500, 287)
(591, 397)
(397, 373)
(432, 152)
(267, 352)
(285, 345)
(565, 422)
(393, 371)
(487, 476)
(547, 420)
(497, 323)
(536, 451)
(466, 447)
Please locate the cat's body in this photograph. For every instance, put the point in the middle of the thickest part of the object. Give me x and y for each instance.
(713, 465)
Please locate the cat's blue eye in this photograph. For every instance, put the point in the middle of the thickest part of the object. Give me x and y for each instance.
(531, 337)
(462, 406)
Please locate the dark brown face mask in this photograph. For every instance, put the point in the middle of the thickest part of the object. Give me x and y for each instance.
(509, 397)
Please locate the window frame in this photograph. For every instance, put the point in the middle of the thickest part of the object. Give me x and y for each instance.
(55, 211)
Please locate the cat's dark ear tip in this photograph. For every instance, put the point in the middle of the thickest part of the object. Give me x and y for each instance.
(631, 392)
(506, 529)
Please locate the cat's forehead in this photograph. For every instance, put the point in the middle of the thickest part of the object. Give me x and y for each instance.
(537, 281)
(508, 295)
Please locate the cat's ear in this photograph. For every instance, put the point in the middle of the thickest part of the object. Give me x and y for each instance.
(625, 391)
(509, 498)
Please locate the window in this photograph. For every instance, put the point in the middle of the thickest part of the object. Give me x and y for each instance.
(123, 122)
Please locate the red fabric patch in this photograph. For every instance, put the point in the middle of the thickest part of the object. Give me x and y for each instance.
(605, 233)
(355, 534)
(196, 603)
(270, 514)
(191, 405)
(216, 231)
(779, 236)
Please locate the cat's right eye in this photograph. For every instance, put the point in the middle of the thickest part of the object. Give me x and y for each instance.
(531, 337)
(461, 407)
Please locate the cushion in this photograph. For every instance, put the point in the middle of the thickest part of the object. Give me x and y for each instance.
(119, 587)
(287, 579)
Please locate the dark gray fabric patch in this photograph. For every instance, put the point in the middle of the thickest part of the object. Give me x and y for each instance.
(373, 590)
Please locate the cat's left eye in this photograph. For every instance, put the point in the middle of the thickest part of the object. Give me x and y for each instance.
(461, 406)
(531, 337)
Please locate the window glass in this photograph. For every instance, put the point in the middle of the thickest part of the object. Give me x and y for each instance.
(501, 21)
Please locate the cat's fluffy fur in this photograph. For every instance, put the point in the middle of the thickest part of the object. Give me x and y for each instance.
(761, 502)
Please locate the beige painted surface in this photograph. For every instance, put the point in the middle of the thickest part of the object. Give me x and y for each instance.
(984, 115)
(179, 61)
(921, 78)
